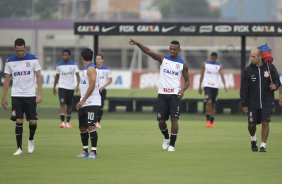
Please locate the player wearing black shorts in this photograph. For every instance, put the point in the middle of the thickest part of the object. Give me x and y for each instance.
(169, 93)
(24, 69)
(66, 71)
(259, 81)
(89, 105)
(210, 72)
(105, 79)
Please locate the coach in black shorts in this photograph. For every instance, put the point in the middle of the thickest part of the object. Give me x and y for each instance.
(24, 69)
(259, 81)
(172, 67)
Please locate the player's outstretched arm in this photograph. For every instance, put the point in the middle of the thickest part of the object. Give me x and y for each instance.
(146, 50)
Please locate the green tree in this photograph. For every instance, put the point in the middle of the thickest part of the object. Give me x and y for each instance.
(172, 9)
(43, 9)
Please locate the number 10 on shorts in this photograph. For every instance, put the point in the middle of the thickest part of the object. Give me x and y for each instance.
(90, 117)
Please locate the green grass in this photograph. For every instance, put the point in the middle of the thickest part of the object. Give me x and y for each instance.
(130, 152)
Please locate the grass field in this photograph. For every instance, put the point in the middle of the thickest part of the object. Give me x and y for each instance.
(130, 152)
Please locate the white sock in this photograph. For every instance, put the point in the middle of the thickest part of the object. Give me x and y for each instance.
(254, 138)
(263, 144)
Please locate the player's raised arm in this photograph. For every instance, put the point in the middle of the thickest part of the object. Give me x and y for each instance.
(146, 50)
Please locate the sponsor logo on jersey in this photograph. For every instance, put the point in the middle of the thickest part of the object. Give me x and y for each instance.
(170, 72)
(169, 90)
(20, 73)
(28, 64)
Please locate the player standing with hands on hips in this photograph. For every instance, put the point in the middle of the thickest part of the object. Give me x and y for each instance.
(259, 81)
(24, 69)
(89, 105)
(169, 92)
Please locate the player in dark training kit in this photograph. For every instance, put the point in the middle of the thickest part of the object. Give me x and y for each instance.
(170, 91)
(24, 69)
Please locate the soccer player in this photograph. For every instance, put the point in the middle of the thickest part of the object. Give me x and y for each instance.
(105, 79)
(88, 105)
(24, 69)
(257, 95)
(210, 72)
(66, 70)
(170, 91)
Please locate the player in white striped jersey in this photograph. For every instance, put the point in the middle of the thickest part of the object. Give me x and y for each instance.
(210, 72)
(24, 69)
(170, 91)
(105, 79)
(89, 105)
(66, 71)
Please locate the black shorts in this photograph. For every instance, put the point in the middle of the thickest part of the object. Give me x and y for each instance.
(88, 116)
(65, 96)
(168, 106)
(259, 115)
(103, 94)
(24, 105)
(211, 94)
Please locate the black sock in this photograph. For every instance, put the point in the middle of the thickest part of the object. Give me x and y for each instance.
(212, 119)
(62, 117)
(101, 112)
(32, 129)
(208, 117)
(165, 133)
(84, 139)
(68, 118)
(173, 138)
(94, 139)
(19, 134)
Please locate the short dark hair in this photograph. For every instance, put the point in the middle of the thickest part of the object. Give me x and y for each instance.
(214, 54)
(87, 54)
(66, 50)
(101, 55)
(19, 42)
(175, 42)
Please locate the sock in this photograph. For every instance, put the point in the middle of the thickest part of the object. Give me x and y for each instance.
(84, 139)
(94, 139)
(101, 112)
(32, 129)
(94, 149)
(263, 144)
(212, 119)
(173, 138)
(165, 133)
(68, 118)
(62, 117)
(254, 138)
(19, 134)
(85, 148)
(208, 117)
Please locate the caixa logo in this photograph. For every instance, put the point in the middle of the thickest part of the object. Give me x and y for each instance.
(20, 73)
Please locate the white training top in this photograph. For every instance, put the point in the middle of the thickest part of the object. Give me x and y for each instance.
(67, 71)
(94, 99)
(23, 74)
(170, 75)
(211, 74)
(104, 74)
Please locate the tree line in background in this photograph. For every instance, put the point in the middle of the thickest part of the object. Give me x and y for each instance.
(47, 9)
